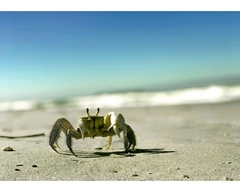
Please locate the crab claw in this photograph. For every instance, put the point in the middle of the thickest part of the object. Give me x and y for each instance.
(120, 124)
(117, 122)
(116, 130)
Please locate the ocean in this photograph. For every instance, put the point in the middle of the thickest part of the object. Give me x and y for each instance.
(190, 95)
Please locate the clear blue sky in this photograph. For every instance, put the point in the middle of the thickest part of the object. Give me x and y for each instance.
(57, 54)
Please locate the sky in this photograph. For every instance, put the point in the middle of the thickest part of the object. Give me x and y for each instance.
(61, 54)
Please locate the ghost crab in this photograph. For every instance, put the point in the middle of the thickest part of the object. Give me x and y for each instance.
(93, 126)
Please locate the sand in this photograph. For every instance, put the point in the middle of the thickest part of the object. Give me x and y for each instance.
(174, 143)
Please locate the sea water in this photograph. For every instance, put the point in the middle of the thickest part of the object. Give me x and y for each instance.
(194, 95)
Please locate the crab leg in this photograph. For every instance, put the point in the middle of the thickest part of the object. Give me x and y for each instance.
(69, 142)
(109, 142)
(129, 139)
(60, 125)
(75, 134)
(64, 125)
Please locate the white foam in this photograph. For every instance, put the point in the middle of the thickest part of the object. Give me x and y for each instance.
(17, 105)
(211, 94)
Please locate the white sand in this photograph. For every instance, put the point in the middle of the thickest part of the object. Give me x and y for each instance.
(176, 143)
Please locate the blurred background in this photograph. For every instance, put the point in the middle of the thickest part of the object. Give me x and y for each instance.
(115, 59)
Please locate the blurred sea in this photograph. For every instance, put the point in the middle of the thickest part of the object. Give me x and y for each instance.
(190, 95)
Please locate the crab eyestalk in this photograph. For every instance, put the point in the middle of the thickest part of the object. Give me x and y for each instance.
(89, 116)
(96, 121)
(98, 110)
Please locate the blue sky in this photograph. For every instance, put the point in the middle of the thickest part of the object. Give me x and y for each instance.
(59, 54)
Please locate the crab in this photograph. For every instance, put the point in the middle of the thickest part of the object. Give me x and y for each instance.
(93, 126)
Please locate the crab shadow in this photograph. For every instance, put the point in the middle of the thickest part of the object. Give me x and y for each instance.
(118, 154)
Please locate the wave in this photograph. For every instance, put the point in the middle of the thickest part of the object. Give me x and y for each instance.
(210, 94)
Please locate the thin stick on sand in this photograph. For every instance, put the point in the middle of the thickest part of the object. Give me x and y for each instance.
(24, 136)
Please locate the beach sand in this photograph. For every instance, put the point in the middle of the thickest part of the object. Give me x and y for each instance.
(174, 143)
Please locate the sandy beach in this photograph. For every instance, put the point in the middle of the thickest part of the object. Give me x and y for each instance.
(174, 143)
